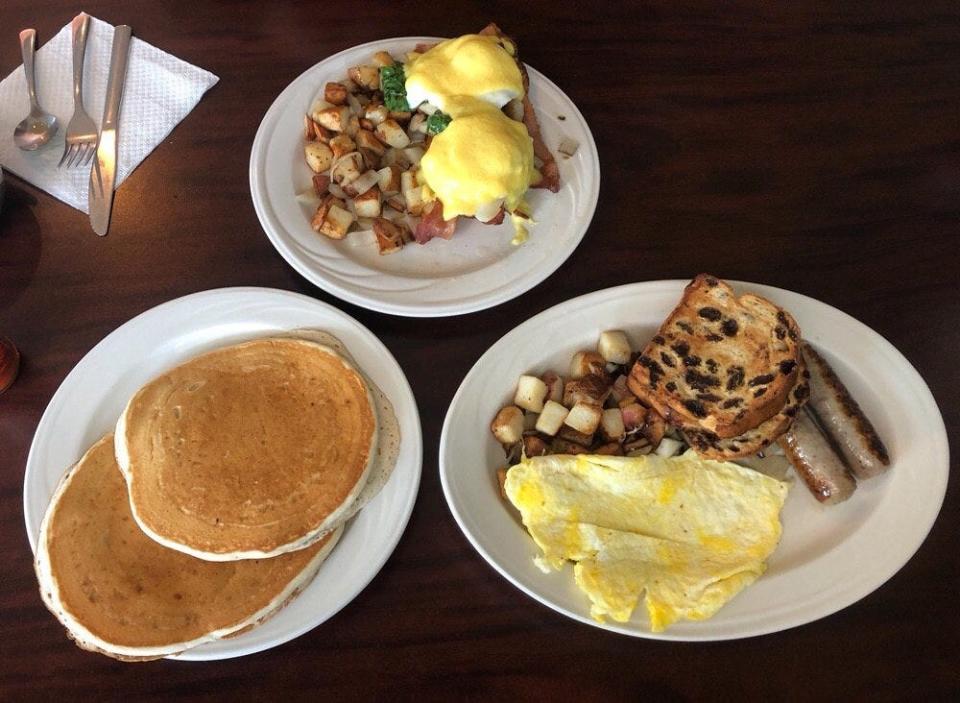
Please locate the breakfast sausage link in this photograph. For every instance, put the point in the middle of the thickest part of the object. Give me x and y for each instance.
(816, 462)
(842, 418)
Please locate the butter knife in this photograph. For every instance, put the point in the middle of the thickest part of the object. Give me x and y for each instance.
(103, 174)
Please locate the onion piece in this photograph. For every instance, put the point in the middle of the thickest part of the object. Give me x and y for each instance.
(365, 182)
(568, 146)
(354, 104)
(413, 154)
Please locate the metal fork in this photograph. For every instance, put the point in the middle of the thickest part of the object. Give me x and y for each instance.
(81, 140)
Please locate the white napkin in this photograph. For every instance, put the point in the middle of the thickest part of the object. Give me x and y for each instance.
(160, 90)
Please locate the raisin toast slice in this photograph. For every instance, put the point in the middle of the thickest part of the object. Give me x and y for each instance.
(710, 446)
(720, 363)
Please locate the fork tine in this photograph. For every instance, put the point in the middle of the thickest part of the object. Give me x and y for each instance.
(76, 153)
(67, 148)
(91, 150)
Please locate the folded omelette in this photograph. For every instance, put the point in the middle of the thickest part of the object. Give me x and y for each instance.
(688, 533)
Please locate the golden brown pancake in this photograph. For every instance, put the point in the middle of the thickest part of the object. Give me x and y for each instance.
(249, 451)
(120, 593)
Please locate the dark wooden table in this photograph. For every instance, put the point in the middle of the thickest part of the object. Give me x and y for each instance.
(808, 147)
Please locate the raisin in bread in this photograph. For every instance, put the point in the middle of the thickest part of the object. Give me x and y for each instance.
(710, 446)
(719, 363)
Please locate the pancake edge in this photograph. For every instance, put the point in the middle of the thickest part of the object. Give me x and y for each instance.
(334, 520)
(50, 593)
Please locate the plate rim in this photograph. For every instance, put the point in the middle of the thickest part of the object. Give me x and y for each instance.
(416, 459)
(270, 224)
(938, 434)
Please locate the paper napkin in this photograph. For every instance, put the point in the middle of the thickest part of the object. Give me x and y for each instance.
(160, 90)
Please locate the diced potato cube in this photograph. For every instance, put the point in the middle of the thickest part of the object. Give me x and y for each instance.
(319, 156)
(368, 204)
(412, 192)
(591, 389)
(531, 392)
(391, 133)
(397, 202)
(584, 417)
(337, 222)
(551, 418)
(389, 235)
(389, 180)
(335, 93)
(367, 140)
(395, 157)
(366, 124)
(321, 182)
(382, 58)
(333, 118)
(342, 144)
(507, 426)
(401, 117)
(317, 221)
(534, 446)
(347, 169)
(585, 363)
(614, 346)
(554, 386)
(376, 113)
(611, 425)
(367, 77)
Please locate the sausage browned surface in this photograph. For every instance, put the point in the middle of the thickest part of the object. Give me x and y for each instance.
(816, 462)
(841, 416)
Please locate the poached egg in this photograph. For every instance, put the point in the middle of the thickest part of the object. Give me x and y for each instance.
(474, 65)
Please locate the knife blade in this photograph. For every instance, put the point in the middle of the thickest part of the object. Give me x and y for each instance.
(103, 173)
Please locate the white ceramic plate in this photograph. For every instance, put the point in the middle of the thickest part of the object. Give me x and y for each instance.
(92, 396)
(828, 557)
(477, 269)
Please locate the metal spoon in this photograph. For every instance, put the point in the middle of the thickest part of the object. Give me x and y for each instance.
(39, 126)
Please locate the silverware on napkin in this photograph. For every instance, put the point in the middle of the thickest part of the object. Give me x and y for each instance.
(80, 143)
(104, 171)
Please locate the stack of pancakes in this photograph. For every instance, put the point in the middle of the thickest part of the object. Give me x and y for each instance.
(226, 484)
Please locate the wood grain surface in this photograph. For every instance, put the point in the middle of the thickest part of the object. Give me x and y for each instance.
(811, 146)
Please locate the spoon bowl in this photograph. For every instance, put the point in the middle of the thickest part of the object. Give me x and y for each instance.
(39, 126)
(35, 130)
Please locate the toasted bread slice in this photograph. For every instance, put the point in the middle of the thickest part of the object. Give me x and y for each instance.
(720, 363)
(710, 446)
